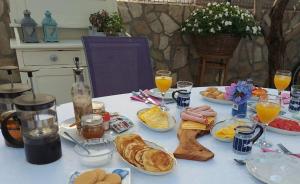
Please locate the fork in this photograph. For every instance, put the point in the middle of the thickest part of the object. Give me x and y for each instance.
(286, 151)
(142, 97)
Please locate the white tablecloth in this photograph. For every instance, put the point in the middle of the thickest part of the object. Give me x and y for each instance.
(221, 169)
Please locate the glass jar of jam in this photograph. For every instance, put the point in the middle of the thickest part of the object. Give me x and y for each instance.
(92, 126)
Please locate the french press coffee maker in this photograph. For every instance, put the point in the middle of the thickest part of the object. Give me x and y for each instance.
(7, 93)
(38, 119)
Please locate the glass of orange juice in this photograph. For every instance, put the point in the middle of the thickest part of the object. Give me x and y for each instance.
(282, 80)
(163, 81)
(267, 109)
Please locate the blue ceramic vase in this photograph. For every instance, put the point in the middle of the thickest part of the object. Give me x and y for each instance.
(240, 109)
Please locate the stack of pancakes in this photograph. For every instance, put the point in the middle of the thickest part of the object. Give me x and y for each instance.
(133, 149)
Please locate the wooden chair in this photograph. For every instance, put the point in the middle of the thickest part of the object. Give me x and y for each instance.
(218, 63)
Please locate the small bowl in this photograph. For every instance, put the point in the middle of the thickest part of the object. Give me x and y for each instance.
(101, 152)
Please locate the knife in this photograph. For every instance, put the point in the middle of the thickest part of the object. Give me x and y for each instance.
(142, 97)
(148, 97)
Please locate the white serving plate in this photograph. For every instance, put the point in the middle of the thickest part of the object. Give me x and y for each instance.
(156, 93)
(223, 124)
(172, 122)
(65, 127)
(225, 102)
(274, 168)
(126, 180)
(155, 146)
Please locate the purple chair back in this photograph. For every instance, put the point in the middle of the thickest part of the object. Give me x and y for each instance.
(118, 64)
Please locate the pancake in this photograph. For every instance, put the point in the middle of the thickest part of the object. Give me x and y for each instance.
(133, 153)
(157, 160)
(139, 157)
(129, 148)
(124, 140)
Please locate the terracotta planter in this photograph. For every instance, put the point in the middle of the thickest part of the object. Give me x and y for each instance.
(222, 45)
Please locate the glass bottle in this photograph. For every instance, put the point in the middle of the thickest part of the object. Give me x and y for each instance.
(81, 95)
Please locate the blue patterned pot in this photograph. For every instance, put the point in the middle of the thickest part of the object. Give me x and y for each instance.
(239, 109)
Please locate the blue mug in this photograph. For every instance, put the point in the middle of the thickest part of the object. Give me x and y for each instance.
(182, 98)
(244, 138)
(294, 105)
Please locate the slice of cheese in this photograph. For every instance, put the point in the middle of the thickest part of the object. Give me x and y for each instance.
(191, 125)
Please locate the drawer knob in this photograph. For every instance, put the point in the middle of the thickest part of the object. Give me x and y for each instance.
(53, 57)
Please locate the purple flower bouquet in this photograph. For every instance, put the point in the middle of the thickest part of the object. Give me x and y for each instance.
(239, 93)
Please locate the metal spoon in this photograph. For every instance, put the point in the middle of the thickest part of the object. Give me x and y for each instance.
(79, 144)
(241, 162)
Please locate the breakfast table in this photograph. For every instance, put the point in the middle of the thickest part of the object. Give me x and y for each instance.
(14, 168)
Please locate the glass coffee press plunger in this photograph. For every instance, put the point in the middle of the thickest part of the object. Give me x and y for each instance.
(37, 114)
(8, 92)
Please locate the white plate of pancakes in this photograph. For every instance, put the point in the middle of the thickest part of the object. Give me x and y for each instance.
(170, 124)
(144, 156)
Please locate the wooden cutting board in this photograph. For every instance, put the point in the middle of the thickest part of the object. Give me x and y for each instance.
(189, 148)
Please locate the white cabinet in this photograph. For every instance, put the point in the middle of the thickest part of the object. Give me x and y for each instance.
(55, 60)
(55, 75)
(57, 81)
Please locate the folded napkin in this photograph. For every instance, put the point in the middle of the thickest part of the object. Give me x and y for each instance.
(198, 114)
(285, 97)
(136, 98)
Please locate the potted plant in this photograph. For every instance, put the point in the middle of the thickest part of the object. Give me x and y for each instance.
(104, 24)
(218, 28)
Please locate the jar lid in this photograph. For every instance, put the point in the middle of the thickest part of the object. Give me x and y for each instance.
(37, 103)
(7, 91)
(91, 119)
(98, 105)
(245, 130)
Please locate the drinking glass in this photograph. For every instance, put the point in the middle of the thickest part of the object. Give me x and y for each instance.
(267, 109)
(185, 85)
(282, 80)
(163, 81)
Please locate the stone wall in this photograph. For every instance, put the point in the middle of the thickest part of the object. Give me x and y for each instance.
(7, 55)
(176, 52)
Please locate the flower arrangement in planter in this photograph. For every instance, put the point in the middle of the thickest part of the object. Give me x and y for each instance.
(105, 24)
(220, 24)
(239, 93)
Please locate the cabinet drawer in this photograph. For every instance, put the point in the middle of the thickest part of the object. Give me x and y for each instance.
(42, 58)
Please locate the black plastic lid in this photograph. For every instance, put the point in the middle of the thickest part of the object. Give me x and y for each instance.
(29, 103)
(6, 91)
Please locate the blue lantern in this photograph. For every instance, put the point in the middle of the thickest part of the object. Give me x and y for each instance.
(28, 26)
(49, 28)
